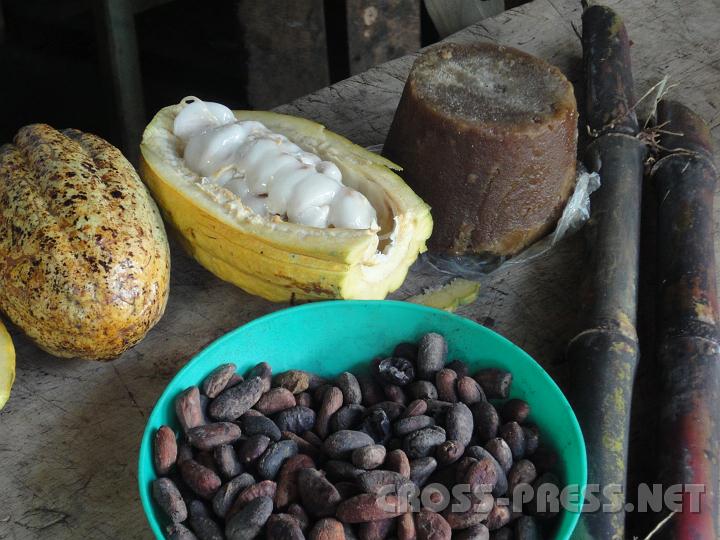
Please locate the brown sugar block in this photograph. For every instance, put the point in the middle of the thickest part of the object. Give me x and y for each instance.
(487, 136)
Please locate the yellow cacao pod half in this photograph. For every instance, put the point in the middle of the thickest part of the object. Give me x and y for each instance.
(271, 257)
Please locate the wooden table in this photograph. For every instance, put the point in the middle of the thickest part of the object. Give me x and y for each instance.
(70, 434)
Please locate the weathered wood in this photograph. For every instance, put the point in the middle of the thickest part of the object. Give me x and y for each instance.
(286, 49)
(121, 64)
(381, 30)
(70, 433)
(450, 16)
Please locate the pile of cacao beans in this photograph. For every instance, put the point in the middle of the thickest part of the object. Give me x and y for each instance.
(368, 456)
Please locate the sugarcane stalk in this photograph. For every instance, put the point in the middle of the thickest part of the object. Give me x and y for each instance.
(688, 334)
(604, 354)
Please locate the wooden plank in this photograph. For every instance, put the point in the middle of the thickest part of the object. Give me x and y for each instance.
(286, 49)
(2, 23)
(381, 30)
(450, 16)
(70, 433)
(121, 64)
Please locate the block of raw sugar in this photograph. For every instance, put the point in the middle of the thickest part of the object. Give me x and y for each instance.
(487, 136)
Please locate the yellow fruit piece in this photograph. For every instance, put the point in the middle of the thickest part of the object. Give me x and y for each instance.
(459, 292)
(276, 259)
(7, 365)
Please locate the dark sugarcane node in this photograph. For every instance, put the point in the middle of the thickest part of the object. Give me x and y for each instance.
(604, 354)
(688, 337)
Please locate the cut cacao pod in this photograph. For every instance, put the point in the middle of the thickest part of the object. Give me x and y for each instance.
(272, 257)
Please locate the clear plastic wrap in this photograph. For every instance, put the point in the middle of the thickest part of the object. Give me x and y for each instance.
(574, 216)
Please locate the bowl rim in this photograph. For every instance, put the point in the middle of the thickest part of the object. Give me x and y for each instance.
(146, 438)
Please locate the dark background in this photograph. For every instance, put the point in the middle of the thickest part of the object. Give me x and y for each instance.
(54, 69)
(58, 68)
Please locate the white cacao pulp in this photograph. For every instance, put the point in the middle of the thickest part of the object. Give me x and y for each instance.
(270, 174)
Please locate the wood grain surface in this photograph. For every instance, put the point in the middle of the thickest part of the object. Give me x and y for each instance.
(70, 433)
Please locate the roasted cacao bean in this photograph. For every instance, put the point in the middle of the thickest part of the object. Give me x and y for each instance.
(188, 408)
(416, 408)
(168, 498)
(372, 392)
(396, 370)
(331, 403)
(469, 391)
(422, 390)
(209, 436)
(421, 469)
(233, 402)
(515, 410)
(431, 526)
(227, 461)
(247, 523)
(276, 400)
(327, 529)
(257, 424)
(485, 420)
(501, 484)
(226, 495)
(202, 523)
(449, 452)
(501, 452)
(369, 457)
(522, 472)
(252, 448)
(287, 479)
(347, 417)
(445, 381)
(296, 419)
(422, 443)
(432, 354)
(341, 444)
(263, 489)
(476, 532)
(202, 480)
(395, 393)
(495, 382)
(377, 481)
(398, 461)
(368, 507)
(376, 530)
(377, 425)
(165, 450)
(284, 527)
(513, 434)
(218, 380)
(405, 426)
(264, 372)
(276, 454)
(319, 497)
(178, 531)
(350, 388)
(459, 424)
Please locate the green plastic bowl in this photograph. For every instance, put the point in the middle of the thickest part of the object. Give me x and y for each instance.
(331, 337)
